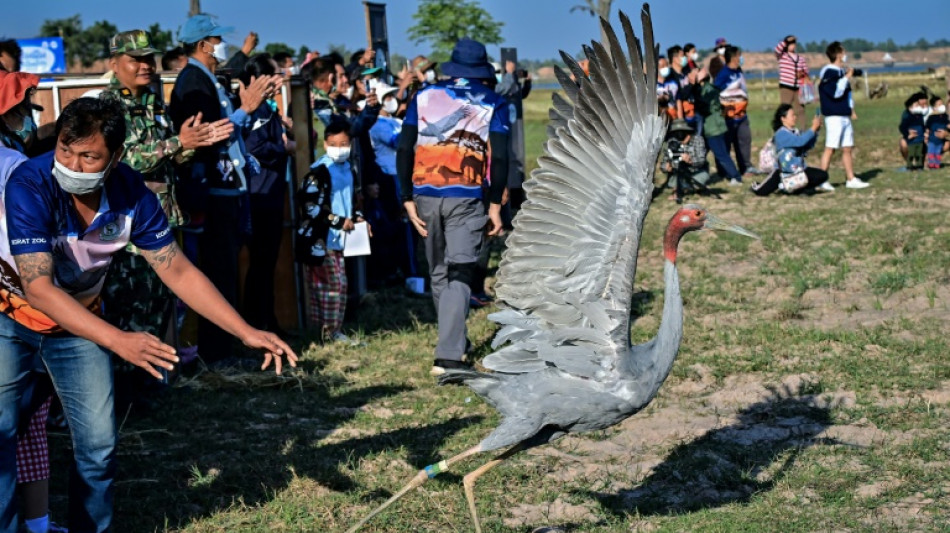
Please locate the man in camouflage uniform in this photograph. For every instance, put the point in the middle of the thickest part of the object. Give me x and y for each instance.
(134, 298)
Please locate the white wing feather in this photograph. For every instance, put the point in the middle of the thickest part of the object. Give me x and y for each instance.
(566, 278)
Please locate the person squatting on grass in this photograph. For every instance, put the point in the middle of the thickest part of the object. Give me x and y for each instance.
(936, 132)
(912, 128)
(791, 147)
(66, 213)
(837, 105)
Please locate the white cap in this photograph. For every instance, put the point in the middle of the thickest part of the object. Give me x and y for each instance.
(383, 89)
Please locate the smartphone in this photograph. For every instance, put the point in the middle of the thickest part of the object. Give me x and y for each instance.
(371, 84)
(818, 111)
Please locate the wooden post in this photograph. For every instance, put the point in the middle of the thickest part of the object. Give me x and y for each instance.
(302, 115)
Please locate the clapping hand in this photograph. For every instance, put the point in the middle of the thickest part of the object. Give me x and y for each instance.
(197, 134)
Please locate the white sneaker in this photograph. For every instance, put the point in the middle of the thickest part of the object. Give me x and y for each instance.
(856, 183)
(826, 186)
(735, 183)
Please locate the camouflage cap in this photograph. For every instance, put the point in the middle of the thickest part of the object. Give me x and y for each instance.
(136, 43)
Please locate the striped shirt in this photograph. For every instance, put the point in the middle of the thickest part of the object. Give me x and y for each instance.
(791, 68)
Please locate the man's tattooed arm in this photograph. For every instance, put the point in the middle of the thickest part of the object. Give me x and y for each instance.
(161, 259)
(33, 266)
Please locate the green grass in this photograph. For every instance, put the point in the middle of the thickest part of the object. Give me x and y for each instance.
(806, 397)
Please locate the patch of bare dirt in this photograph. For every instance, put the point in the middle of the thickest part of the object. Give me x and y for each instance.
(558, 511)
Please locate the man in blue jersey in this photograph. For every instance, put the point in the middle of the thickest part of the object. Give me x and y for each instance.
(63, 215)
(453, 152)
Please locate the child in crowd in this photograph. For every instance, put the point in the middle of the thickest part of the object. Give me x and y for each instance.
(937, 121)
(328, 200)
(912, 129)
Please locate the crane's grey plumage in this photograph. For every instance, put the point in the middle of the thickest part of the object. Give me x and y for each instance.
(563, 361)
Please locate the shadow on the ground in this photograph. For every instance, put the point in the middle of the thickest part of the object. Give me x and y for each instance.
(870, 174)
(730, 464)
(210, 447)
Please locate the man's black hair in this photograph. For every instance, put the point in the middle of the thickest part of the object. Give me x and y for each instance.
(320, 67)
(282, 57)
(673, 50)
(190, 48)
(258, 65)
(334, 58)
(12, 48)
(85, 117)
(355, 56)
(689, 46)
(833, 50)
(336, 127)
(914, 98)
(731, 52)
(934, 99)
(172, 55)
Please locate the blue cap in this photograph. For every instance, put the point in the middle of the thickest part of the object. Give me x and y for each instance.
(469, 60)
(200, 27)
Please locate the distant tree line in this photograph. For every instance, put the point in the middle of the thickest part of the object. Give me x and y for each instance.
(855, 45)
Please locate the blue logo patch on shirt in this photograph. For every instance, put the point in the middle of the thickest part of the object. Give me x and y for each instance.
(109, 232)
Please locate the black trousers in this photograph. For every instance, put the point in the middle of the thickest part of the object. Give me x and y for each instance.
(267, 228)
(816, 177)
(218, 248)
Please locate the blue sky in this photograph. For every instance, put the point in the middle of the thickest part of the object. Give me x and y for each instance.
(538, 28)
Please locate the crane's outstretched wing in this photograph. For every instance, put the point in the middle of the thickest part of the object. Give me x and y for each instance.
(566, 278)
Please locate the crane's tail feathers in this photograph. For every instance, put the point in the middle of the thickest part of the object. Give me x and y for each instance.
(455, 376)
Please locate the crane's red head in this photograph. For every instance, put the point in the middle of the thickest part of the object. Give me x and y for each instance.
(692, 217)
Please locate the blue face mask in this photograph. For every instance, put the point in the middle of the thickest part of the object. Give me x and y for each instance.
(684, 61)
(27, 130)
(741, 61)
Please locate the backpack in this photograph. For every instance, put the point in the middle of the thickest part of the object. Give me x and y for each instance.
(768, 161)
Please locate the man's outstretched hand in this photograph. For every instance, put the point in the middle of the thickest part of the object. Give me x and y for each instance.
(274, 348)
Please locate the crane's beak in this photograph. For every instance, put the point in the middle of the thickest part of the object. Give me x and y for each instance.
(716, 223)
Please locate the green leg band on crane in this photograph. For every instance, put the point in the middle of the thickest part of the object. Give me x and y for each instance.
(436, 469)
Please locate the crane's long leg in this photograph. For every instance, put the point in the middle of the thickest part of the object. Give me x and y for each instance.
(424, 475)
(469, 480)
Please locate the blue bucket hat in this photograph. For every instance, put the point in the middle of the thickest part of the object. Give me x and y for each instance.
(469, 60)
(200, 27)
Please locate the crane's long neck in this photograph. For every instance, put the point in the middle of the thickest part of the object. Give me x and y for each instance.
(653, 360)
(666, 344)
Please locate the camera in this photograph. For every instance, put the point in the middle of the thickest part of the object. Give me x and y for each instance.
(858, 72)
(675, 150)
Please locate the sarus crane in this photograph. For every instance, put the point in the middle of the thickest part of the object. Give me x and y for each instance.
(563, 361)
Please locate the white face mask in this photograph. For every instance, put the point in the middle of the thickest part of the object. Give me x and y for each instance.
(219, 51)
(664, 72)
(920, 110)
(721, 51)
(694, 56)
(940, 109)
(844, 58)
(430, 76)
(339, 154)
(80, 183)
(390, 106)
(348, 93)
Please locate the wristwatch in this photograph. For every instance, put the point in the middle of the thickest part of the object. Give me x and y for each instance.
(333, 219)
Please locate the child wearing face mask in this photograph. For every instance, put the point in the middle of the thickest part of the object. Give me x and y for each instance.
(328, 201)
(936, 121)
(912, 128)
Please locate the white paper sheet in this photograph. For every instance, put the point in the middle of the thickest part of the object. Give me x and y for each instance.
(357, 241)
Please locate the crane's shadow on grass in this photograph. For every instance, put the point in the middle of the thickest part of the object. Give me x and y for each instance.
(730, 464)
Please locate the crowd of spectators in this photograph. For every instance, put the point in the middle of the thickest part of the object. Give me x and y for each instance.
(421, 156)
